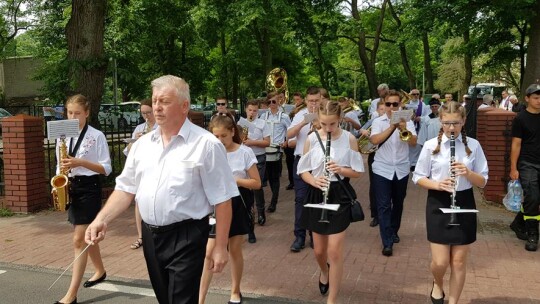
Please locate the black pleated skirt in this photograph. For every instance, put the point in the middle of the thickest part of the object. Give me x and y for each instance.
(437, 227)
(85, 197)
(338, 220)
(240, 223)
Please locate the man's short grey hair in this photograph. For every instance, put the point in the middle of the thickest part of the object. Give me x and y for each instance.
(513, 97)
(383, 86)
(181, 86)
(487, 98)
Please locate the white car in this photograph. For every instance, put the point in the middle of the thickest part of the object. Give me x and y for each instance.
(120, 116)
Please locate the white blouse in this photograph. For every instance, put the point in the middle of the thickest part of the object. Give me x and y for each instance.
(437, 167)
(241, 160)
(340, 152)
(93, 148)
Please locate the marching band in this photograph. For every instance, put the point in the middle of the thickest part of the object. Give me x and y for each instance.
(328, 146)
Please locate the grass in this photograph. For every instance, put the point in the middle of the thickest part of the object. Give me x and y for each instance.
(5, 212)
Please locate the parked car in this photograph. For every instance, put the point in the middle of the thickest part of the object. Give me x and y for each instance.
(3, 114)
(120, 116)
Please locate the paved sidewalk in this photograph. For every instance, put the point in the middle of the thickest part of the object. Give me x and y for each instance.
(499, 268)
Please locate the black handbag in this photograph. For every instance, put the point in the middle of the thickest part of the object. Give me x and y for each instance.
(357, 214)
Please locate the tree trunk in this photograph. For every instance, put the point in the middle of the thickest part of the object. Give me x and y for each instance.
(532, 69)
(85, 30)
(467, 58)
(406, 66)
(224, 65)
(428, 72)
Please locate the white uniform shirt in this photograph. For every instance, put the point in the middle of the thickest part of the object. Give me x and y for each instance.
(258, 131)
(393, 157)
(373, 107)
(340, 152)
(278, 125)
(437, 167)
(352, 115)
(241, 160)
(302, 134)
(181, 181)
(93, 148)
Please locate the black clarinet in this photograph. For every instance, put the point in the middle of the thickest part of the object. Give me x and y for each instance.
(453, 216)
(324, 212)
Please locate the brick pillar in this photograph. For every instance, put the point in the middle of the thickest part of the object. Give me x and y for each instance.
(24, 164)
(494, 134)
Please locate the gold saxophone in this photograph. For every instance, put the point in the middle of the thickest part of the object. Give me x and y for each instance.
(60, 182)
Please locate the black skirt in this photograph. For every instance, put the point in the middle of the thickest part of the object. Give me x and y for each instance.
(85, 197)
(437, 227)
(240, 223)
(338, 220)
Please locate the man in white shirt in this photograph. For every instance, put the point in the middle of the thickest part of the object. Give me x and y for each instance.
(299, 128)
(391, 170)
(177, 174)
(487, 101)
(420, 110)
(506, 103)
(382, 90)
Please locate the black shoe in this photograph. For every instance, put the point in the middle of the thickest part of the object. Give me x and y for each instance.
(251, 238)
(89, 283)
(262, 219)
(271, 208)
(433, 300)
(298, 245)
(289, 187)
(240, 302)
(74, 302)
(323, 288)
(521, 232)
(374, 222)
(387, 251)
(532, 243)
(396, 238)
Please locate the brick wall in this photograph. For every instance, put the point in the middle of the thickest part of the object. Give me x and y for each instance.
(493, 132)
(24, 165)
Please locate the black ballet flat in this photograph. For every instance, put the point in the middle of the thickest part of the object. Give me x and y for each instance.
(74, 302)
(89, 283)
(231, 302)
(323, 288)
(433, 300)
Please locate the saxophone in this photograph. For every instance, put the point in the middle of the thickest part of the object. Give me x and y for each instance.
(147, 127)
(60, 182)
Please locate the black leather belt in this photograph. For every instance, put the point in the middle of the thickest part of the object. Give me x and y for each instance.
(85, 178)
(161, 229)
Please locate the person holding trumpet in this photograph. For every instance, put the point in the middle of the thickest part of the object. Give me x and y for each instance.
(450, 242)
(391, 169)
(343, 159)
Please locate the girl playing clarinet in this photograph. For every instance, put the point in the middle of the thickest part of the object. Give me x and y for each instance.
(88, 158)
(243, 163)
(450, 244)
(329, 238)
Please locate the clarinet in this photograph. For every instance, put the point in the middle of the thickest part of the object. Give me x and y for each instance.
(453, 216)
(324, 212)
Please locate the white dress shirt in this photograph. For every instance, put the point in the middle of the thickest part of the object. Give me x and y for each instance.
(183, 180)
(373, 106)
(437, 167)
(241, 160)
(278, 125)
(302, 135)
(93, 148)
(506, 104)
(340, 152)
(258, 131)
(393, 157)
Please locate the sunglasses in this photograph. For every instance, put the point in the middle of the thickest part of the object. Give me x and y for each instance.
(272, 101)
(393, 104)
(220, 104)
(451, 123)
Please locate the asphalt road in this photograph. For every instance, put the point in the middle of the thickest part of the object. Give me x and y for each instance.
(20, 285)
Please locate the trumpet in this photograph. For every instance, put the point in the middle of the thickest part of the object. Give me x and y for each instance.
(404, 134)
(326, 190)
(453, 216)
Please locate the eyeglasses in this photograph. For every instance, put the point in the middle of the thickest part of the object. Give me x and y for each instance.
(451, 123)
(393, 104)
(221, 104)
(434, 106)
(272, 101)
(146, 113)
(415, 94)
